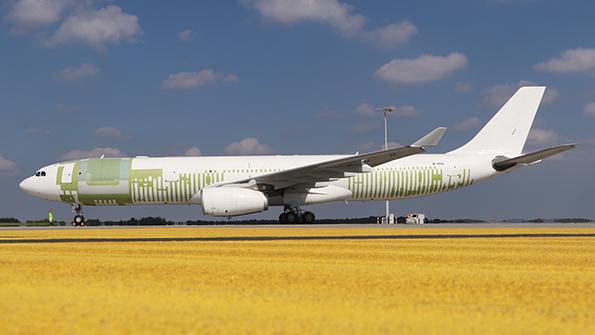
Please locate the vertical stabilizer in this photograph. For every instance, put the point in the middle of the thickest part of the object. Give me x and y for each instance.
(507, 131)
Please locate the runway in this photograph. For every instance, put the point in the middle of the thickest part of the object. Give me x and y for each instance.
(494, 225)
(335, 279)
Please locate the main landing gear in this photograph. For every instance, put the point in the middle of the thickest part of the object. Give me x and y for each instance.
(296, 215)
(79, 219)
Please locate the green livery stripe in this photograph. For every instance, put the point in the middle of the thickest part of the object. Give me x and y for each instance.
(59, 175)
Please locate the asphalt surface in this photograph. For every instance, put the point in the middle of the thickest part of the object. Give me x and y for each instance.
(336, 226)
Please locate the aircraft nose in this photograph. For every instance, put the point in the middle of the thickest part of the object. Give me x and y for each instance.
(26, 185)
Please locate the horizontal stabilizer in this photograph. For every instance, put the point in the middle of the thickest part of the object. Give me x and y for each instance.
(504, 163)
(431, 139)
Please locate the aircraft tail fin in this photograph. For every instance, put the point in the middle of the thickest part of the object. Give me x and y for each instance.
(507, 131)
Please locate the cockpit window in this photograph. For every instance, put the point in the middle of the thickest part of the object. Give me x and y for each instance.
(43, 173)
(38, 174)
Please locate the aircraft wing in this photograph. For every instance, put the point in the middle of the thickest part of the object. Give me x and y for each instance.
(502, 163)
(341, 167)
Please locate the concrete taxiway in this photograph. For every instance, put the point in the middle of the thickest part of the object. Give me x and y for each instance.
(337, 226)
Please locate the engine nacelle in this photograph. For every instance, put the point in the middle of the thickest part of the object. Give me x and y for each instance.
(232, 201)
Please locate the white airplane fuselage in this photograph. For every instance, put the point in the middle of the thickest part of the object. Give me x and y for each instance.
(177, 180)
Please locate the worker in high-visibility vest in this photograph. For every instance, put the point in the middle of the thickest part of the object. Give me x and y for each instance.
(51, 217)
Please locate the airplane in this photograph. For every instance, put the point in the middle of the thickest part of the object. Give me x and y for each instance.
(232, 186)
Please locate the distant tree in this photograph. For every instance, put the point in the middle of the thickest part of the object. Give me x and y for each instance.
(154, 221)
(9, 220)
(45, 220)
(93, 222)
(538, 220)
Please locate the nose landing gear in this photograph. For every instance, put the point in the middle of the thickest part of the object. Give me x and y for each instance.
(79, 219)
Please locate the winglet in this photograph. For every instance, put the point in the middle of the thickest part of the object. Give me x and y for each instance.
(431, 139)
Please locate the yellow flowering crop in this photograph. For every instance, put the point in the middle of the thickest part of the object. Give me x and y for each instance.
(297, 280)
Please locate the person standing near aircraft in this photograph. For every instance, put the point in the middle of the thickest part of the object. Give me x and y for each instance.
(51, 217)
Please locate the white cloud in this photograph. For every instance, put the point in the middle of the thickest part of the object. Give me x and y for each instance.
(469, 123)
(194, 151)
(331, 12)
(497, 95)
(97, 28)
(365, 109)
(37, 131)
(550, 95)
(542, 136)
(571, 60)
(28, 14)
(7, 167)
(77, 72)
(391, 35)
(391, 145)
(405, 111)
(231, 78)
(189, 80)
(590, 109)
(248, 146)
(423, 69)
(93, 153)
(335, 14)
(463, 87)
(108, 132)
(185, 35)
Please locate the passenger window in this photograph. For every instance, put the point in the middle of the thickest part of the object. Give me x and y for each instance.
(43, 173)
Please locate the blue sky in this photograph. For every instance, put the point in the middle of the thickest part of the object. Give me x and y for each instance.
(276, 76)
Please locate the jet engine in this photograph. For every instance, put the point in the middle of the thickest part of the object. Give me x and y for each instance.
(232, 201)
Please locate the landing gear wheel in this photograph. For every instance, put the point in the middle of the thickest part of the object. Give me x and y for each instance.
(79, 220)
(290, 217)
(308, 217)
(283, 218)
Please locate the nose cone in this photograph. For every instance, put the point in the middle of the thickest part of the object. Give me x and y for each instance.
(27, 185)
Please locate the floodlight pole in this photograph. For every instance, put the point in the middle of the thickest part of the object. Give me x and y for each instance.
(386, 110)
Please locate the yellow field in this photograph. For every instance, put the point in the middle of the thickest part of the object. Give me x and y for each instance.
(243, 284)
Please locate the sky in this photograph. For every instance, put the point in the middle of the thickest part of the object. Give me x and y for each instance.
(126, 78)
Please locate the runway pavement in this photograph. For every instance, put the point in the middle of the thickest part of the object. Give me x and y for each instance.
(336, 226)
